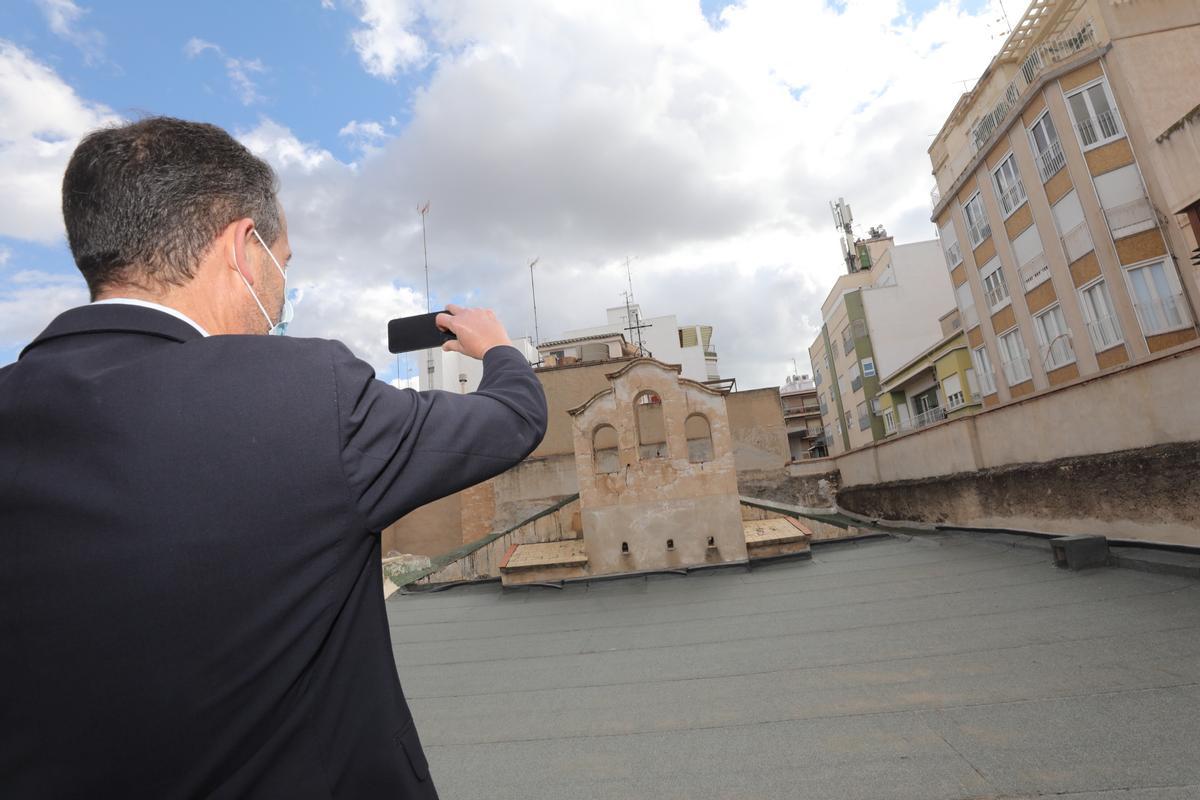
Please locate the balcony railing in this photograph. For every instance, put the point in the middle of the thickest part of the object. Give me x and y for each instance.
(1078, 242)
(1012, 197)
(1051, 160)
(1034, 272)
(1105, 333)
(1098, 129)
(979, 231)
(1058, 354)
(1039, 60)
(996, 295)
(1017, 370)
(953, 255)
(925, 418)
(1161, 315)
(1130, 218)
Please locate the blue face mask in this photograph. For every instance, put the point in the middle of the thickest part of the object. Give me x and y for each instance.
(285, 315)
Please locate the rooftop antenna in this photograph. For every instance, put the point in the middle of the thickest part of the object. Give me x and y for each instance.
(843, 220)
(533, 289)
(423, 210)
(631, 316)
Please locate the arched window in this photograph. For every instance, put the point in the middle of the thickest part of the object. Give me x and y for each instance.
(651, 427)
(699, 438)
(604, 450)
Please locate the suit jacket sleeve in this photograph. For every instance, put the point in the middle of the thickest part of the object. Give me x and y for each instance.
(402, 449)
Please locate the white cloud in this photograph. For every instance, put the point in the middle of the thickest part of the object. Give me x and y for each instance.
(238, 70)
(586, 132)
(328, 5)
(41, 121)
(363, 136)
(63, 17)
(30, 299)
(386, 45)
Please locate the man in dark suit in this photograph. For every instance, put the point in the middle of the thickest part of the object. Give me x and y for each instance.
(191, 599)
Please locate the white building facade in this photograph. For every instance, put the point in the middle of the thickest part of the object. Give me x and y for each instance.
(662, 338)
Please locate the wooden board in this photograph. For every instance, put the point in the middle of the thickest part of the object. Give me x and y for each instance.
(547, 554)
(773, 531)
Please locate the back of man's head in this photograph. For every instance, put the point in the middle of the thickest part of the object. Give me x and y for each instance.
(143, 202)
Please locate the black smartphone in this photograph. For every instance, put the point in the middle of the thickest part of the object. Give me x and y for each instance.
(416, 333)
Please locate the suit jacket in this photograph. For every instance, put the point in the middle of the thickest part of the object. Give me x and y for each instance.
(191, 599)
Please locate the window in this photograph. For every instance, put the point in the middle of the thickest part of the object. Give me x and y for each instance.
(1095, 115)
(952, 388)
(1101, 319)
(847, 339)
(858, 328)
(855, 377)
(889, 422)
(995, 288)
(973, 383)
(875, 406)
(651, 428)
(1068, 215)
(1158, 303)
(977, 224)
(816, 376)
(1009, 188)
(1123, 198)
(1014, 358)
(864, 418)
(950, 245)
(868, 367)
(604, 450)
(966, 305)
(849, 418)
(983, 370)
(1047, 149)
(699, 438)
(1054, 337)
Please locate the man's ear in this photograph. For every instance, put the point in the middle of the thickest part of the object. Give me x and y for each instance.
(237, 238)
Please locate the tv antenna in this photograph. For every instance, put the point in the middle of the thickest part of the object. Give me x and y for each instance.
(533, 289)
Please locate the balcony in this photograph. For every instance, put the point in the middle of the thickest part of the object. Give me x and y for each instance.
(979, 231)
(1034, 272)
(1017, 370)
(1058, 354)
(924, 419)
(1012, 197)
(1077, 242)
(1051, 160)
(953, 256)
(1098, 129)
(1042, 58)
(1130, 218)
(1161, 315)
(856, 384)
(1105, 333)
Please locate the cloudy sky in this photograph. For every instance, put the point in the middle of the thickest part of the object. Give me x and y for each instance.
(700, 139)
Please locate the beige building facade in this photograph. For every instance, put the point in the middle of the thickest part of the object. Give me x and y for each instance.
(1064, 225)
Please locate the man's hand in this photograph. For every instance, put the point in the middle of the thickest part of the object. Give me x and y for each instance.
(477, 330)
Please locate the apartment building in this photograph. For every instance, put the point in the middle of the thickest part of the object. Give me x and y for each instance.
(877, 318)
(802, 417)
(1064, 202)
(939, 384)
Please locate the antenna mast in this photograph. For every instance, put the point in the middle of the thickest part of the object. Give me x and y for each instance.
(533, 289)
(631, 316)
(423, 210)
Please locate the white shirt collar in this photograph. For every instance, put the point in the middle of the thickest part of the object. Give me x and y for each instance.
(129, 301)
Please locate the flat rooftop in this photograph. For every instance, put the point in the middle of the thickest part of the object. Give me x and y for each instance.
(938, 667)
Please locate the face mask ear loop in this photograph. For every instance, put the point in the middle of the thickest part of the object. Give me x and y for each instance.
(250, 288)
